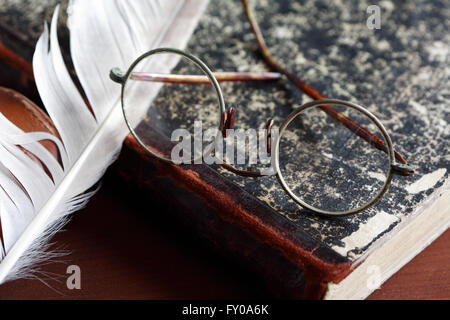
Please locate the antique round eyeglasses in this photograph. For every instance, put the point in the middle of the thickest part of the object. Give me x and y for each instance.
(330, 156)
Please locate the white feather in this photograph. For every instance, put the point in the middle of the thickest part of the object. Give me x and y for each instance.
(103, 34)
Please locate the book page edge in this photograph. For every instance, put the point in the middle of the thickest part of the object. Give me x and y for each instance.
(396, 252)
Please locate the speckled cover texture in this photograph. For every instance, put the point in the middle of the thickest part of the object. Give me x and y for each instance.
(27, 17)
(400, 73)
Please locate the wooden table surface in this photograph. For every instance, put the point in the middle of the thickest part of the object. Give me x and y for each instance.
(130, 249)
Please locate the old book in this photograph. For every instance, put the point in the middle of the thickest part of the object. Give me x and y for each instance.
(400, 72)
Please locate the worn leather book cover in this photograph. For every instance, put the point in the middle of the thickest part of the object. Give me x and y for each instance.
(400, 72)
(21, 23)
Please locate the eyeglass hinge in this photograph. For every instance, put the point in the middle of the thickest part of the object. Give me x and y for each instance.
(117, 75)
(404, 170)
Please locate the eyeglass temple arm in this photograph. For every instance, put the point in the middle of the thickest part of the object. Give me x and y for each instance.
(203, 80)
(117, 76)
(402, 169)
(228, 119)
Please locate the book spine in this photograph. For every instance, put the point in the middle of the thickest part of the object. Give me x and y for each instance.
(16, 52)
(235, 224)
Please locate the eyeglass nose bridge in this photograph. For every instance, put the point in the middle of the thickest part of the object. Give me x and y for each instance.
(229, 120)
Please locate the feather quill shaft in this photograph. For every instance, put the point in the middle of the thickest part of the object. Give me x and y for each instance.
(103, 34)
